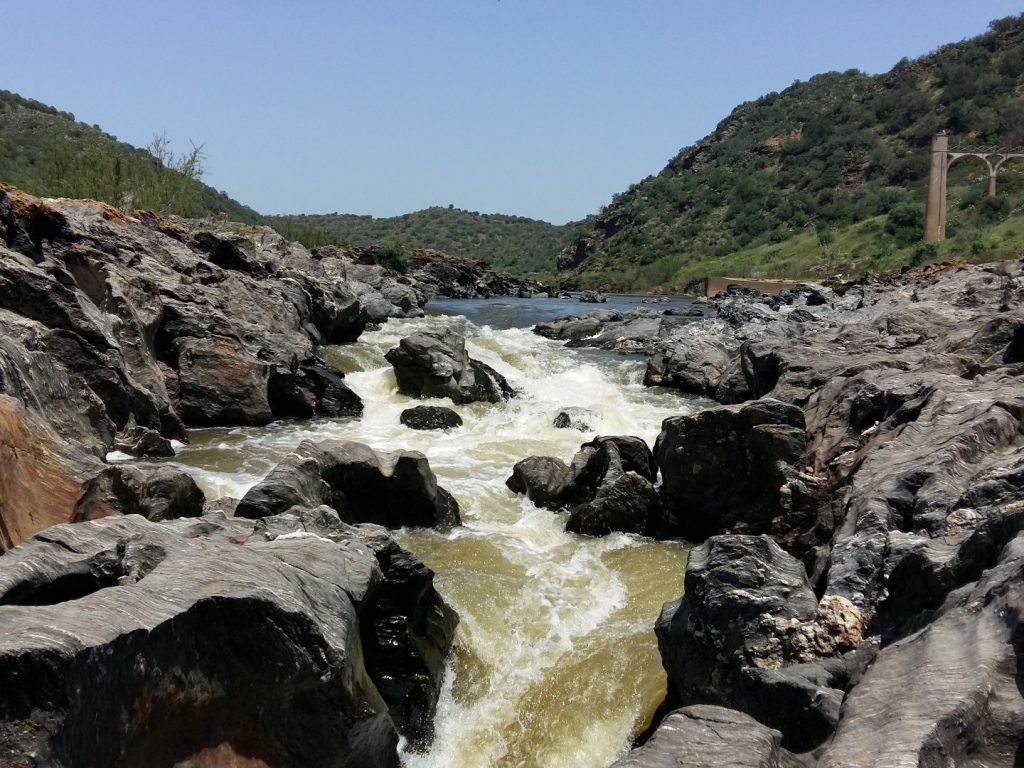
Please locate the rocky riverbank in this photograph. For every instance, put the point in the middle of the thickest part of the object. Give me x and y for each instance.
(287, 628)
(858, 601)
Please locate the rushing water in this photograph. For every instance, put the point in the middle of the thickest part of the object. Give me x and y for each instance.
(555, 662)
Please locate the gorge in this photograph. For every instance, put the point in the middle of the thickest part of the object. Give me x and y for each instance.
(202, 448)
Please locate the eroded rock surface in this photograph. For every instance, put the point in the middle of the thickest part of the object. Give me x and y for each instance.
(214, 641)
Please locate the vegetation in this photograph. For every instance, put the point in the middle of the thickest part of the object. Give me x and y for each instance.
(828, 176)
(511, 243)
(47, 152)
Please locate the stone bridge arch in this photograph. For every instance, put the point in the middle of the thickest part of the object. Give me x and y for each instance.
(944, 156)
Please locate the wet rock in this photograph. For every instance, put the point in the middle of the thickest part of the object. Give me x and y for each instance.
(166, 625)
(749, 633)
(408, 631)
(609, 486)
(395, 489)
(710, 736)
(573, 418)
(160, 492)
(430, 417)
(740, 469)
(593, 297)
(144, 443)
(437, 365)
(311, 389)
(569, 328)
(542, 478)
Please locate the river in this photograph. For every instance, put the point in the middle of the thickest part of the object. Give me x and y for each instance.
(555, 661)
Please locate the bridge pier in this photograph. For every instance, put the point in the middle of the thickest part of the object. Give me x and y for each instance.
(935, 200)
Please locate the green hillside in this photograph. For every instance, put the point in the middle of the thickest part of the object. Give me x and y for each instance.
(512, 243)
(825, 177)
(48, 152)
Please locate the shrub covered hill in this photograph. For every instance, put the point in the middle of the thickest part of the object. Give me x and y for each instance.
(47, 152)
(512, 244)
(827, 176)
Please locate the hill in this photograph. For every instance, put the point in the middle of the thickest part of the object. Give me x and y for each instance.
(512, 243)
(826, 176)
(47, 152)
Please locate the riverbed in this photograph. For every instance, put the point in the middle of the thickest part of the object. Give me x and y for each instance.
(555, 661)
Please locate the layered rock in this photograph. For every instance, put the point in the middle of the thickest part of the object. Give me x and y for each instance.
(437, 365)
(393, 489)
(167, 620)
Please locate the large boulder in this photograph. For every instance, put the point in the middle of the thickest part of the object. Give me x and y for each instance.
(126, 642)
(741, 469)
(311, 389)
(609, 486)
(749, 633)
(220, 383)
(437, 365)
(395, 489)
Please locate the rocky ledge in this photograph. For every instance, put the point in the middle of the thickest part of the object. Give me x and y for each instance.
(139, 623)
(858, 601)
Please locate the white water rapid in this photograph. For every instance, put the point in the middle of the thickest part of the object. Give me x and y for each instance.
(556, 662)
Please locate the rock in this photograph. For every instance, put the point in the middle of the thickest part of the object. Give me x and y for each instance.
(220, 383)
(48, 480)
(313, 388)
(739, 469)
(573, 418)
(167, 626)
(947, 694)
(609, 486)
(542, 478)
(144, 443)
(394, 489)
(154, 323)
(710, 736)
(408, 631)
(437, 365)
(624, 501)
(749, 633)
(593, 297)
(430, 417)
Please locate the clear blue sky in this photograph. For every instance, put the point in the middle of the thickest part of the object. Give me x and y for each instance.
(542, 108)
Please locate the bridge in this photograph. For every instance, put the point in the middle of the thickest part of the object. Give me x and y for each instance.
(944, 156)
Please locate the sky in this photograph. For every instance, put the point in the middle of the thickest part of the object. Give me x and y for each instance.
(539, 108)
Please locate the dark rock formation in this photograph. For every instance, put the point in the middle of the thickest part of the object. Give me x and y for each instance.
(747, 610)
(363, 486)
(154, 323)
(310, 389)
(909, 392)
(593, 297)
(47, 480)
(161, 624)
(143, 442)
(573, 418)
(430, 417)
(741, 469)
(437, 365)
(609, 486)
